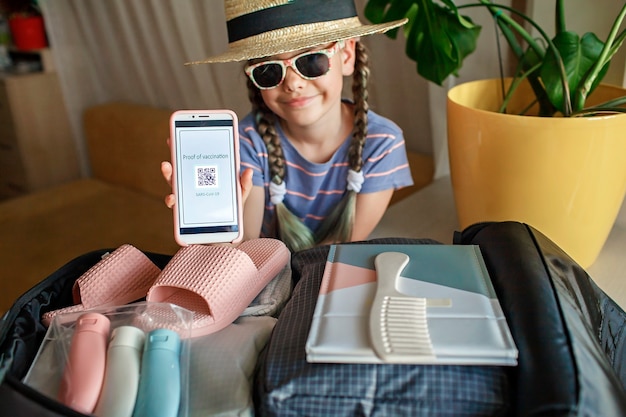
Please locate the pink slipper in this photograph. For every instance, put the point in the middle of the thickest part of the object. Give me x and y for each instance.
(121, 277)
(217, 283)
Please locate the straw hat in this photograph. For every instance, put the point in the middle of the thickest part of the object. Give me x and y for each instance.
(261, 28)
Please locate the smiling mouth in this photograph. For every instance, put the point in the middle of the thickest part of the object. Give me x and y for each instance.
(298, 102)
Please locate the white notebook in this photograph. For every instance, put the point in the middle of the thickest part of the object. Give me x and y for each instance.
(453, 313)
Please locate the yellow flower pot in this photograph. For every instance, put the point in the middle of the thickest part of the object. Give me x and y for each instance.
(564, 176)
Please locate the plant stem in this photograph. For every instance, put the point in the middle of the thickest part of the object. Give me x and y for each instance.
(514, 84)
(516, 26)
(559, 16)
(609, 49)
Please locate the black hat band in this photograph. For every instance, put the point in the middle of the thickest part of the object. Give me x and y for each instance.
(297, 12)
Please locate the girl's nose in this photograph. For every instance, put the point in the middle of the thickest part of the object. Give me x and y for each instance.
(292, 81)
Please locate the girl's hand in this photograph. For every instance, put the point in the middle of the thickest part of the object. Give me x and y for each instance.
(166, 170)
(246, 184)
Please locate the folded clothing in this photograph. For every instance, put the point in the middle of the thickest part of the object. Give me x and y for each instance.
(222, 368)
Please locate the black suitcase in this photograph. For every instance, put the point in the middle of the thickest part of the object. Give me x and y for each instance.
(569, 333)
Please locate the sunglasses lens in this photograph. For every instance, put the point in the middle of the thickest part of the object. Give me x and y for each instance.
(268, 75)
(313, 65)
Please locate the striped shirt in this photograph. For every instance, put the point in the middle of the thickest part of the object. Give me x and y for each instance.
(313, 189)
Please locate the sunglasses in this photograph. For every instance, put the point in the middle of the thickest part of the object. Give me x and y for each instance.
(309, 65)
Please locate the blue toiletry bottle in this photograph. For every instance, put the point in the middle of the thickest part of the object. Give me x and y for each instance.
(160, 382)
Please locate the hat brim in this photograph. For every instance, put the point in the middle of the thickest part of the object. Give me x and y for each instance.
(293, 39)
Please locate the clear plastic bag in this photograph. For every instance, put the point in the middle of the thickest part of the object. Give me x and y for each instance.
(46, 373)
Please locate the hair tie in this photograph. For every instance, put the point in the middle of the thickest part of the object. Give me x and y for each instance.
(277, 192)
(355, 180)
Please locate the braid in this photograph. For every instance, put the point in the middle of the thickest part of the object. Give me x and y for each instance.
(295, 234)
(266, 121)
(339, 224)
(360, 97)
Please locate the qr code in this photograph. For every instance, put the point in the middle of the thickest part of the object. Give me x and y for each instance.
(206, 176)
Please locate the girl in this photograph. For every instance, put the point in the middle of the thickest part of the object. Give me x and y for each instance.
(323, 169)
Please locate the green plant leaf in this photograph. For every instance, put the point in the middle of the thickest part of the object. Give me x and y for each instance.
(438, 38)
(578, 55)
(458, 33)
(383, 11)
(375, 10)
(431, 49)
(439, 41)
(467, 23)
(463, 34)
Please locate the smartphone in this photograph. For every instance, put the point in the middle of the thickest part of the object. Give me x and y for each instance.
(205, 181)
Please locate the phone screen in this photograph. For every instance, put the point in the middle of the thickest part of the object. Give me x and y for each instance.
(206, 175)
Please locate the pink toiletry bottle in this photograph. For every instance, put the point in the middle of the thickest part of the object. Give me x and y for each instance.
(84, 371)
